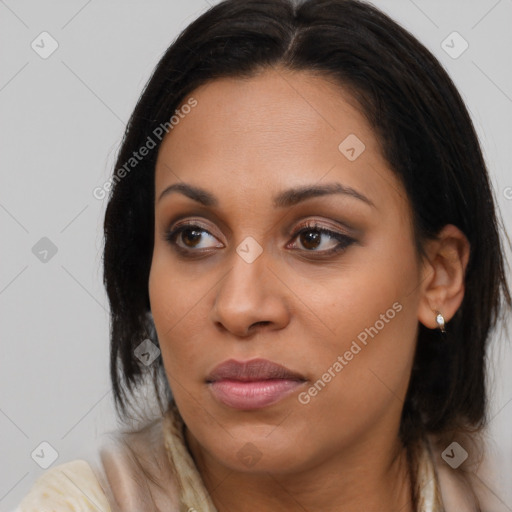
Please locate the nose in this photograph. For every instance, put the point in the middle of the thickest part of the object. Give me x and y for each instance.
(251, 298)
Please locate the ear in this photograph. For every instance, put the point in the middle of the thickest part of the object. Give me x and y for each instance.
(443, 273)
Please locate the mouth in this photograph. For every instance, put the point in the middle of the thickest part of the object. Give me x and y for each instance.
(252, 384)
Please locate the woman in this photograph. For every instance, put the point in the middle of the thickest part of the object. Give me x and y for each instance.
(301, 225)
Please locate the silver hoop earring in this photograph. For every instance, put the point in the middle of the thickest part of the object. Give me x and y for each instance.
(440, 321)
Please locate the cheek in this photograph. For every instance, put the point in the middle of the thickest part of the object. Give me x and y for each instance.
(371, 311)
(178, 306)
(370, 380)
(374, 278)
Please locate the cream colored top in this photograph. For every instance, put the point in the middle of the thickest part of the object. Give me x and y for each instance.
(152, 470)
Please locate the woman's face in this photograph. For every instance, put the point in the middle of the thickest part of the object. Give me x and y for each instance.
(252, 275)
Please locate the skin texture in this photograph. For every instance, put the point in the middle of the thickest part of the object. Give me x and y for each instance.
(246, 141)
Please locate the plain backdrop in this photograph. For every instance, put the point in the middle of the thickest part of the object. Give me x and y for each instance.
(61, 122)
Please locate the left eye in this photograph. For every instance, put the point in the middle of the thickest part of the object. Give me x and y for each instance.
(310, 238)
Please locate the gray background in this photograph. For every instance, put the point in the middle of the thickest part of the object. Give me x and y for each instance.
(61, 123)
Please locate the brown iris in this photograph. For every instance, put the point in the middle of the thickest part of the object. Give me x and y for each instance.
(310, 239)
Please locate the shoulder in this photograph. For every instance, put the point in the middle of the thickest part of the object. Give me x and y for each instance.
(135, 472)
(470, 483)
(68, 487)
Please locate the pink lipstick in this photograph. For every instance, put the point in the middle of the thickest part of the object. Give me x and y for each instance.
(252, 384)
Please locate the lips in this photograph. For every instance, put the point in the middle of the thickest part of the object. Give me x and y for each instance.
(254, 370)
(252, 384)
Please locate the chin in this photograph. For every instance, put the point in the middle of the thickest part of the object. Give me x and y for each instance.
(261, 449)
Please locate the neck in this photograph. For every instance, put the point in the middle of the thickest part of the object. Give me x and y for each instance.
(370, 478)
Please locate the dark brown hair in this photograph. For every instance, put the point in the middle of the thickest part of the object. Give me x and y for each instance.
(426, 135)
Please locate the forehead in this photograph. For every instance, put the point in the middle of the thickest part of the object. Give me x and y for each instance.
(278, 127)
(275, 110)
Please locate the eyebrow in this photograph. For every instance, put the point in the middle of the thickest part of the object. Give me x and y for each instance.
(284, 199)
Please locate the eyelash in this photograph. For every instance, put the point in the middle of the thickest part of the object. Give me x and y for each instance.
(344, 240)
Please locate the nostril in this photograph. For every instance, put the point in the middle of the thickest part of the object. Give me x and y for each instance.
(260, 323)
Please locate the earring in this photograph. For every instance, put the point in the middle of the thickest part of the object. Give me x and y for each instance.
(440, 321)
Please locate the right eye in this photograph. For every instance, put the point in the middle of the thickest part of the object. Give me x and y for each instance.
(187, 238)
